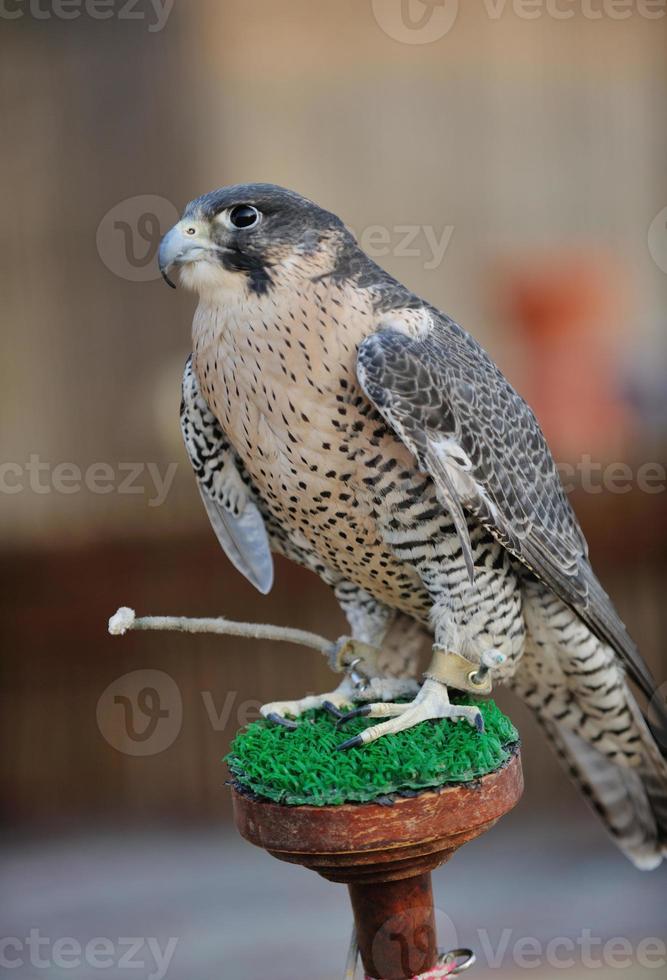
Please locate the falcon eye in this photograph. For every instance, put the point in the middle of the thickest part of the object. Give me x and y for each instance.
(243, 216)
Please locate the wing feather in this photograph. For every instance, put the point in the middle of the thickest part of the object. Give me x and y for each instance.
(480, 442)
(234, 515)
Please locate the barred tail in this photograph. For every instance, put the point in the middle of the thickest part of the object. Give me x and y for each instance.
(577, 688)
(631, 803)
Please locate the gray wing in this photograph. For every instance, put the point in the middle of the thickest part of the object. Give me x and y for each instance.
(236, 519)
(482, 445)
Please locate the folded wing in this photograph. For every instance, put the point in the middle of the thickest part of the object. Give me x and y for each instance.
(228, 499)
(481, 444)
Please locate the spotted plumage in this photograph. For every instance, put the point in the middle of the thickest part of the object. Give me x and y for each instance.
(334, 417)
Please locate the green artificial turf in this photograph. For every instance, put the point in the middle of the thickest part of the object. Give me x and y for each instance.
(302, 766)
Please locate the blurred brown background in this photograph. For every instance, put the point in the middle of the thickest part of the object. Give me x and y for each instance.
(511, 170)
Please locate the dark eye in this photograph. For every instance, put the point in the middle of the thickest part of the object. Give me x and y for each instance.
(243, 216)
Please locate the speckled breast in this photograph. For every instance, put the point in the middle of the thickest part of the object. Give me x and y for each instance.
(283, 385)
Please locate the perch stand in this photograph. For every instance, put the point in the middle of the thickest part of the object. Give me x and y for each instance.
(385, 855)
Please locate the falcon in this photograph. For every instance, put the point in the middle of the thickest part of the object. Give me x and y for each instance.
(334, 417)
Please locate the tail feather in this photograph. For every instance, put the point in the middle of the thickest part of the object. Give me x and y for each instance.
(580, 695)
(631, 803)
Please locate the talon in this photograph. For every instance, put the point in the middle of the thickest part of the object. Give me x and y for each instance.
(351, 743)
(361, 712)
(479, 722)
(332, 710)
(279, 720)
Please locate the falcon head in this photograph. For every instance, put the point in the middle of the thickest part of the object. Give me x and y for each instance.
(241, 236)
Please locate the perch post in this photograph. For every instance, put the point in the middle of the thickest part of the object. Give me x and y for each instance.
(385, 855)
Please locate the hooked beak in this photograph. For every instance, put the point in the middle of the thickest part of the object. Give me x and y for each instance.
(175, 249)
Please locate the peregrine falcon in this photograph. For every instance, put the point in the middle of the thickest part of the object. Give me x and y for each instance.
(334, 417)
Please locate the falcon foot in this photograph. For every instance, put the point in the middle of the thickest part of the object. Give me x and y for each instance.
(377, 689)
(432, 702)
